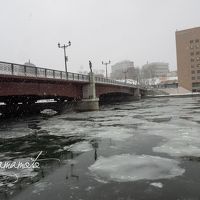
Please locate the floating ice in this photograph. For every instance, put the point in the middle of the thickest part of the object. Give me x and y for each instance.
(181, 143)
(159, 185)
(15, 130)
(178, 148)
(57, 126)
(49, 112)
(181, 137)
(114, 133)
(89, 188)
(81, 147)
(126, 167)
(41, 186)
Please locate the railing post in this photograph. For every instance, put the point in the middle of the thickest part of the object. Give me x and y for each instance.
(12, 69)
(45, 73)
(24, 70)
(53, 73)
(61, 74)
(36, 72)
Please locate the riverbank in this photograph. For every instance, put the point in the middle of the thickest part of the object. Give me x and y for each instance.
(175, 95)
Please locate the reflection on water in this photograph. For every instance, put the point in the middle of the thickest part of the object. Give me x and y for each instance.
(116, 153)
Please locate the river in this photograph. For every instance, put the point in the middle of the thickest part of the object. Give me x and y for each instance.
(148, 149)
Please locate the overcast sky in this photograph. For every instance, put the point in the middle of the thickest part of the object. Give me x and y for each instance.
(138, 30)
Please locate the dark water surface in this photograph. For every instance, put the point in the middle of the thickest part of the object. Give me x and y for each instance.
(138, 150)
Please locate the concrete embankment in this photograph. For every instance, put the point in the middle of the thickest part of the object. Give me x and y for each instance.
(174, 95)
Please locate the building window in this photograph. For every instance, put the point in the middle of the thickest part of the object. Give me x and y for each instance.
(191, 41)
(198, 71)
(195, 84)
(193, 72)
(198, 58)
(193, 78)
(198, 65)
(192, 59)
(197, 40)
(197, 53)
(192, 53)
(198, 77)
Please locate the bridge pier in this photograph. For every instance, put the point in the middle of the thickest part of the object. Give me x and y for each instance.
(89, 101)
(137, 94)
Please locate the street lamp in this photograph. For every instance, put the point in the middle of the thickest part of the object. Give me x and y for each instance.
(65, 57)
(106, 63)
(125, 75)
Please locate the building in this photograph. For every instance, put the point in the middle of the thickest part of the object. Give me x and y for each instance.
(172, 74)
(29, 64)
(188, 58)
(122, 70)
(155, 69)
(168, 84)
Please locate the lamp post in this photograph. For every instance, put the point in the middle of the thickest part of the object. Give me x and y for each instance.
(65, 57)
(125, 75)
(106, 63)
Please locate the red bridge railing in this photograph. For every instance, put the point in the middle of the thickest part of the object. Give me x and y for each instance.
(32, 71)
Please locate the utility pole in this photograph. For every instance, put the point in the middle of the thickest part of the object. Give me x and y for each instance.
(65, 57)
(106, 63)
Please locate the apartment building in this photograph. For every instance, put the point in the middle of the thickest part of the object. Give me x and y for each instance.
(188, 58)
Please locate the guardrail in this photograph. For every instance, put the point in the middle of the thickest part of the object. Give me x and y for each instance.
(31, 71)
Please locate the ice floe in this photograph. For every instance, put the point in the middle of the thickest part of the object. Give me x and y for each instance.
(41, 186)
(181, 138)
(15, 130)
(180, 142)
(159, 185)
(81, 147)
(127, 167)
(49, 112)
(114, 134)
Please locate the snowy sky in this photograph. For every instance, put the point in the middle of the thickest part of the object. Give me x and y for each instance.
(138, 30)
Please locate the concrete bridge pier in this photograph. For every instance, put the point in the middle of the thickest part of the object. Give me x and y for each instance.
(89, 101)
(137, 94)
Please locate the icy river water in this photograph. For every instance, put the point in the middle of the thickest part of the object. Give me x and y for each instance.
(148, 149)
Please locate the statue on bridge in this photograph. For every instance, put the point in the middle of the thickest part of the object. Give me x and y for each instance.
(90, 64)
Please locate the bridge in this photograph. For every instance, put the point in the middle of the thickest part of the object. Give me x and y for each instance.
(27, 84)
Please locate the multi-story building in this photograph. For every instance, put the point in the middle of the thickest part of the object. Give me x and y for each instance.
(155, 69)
(188, 58)
(122, 69)
(172, 74)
